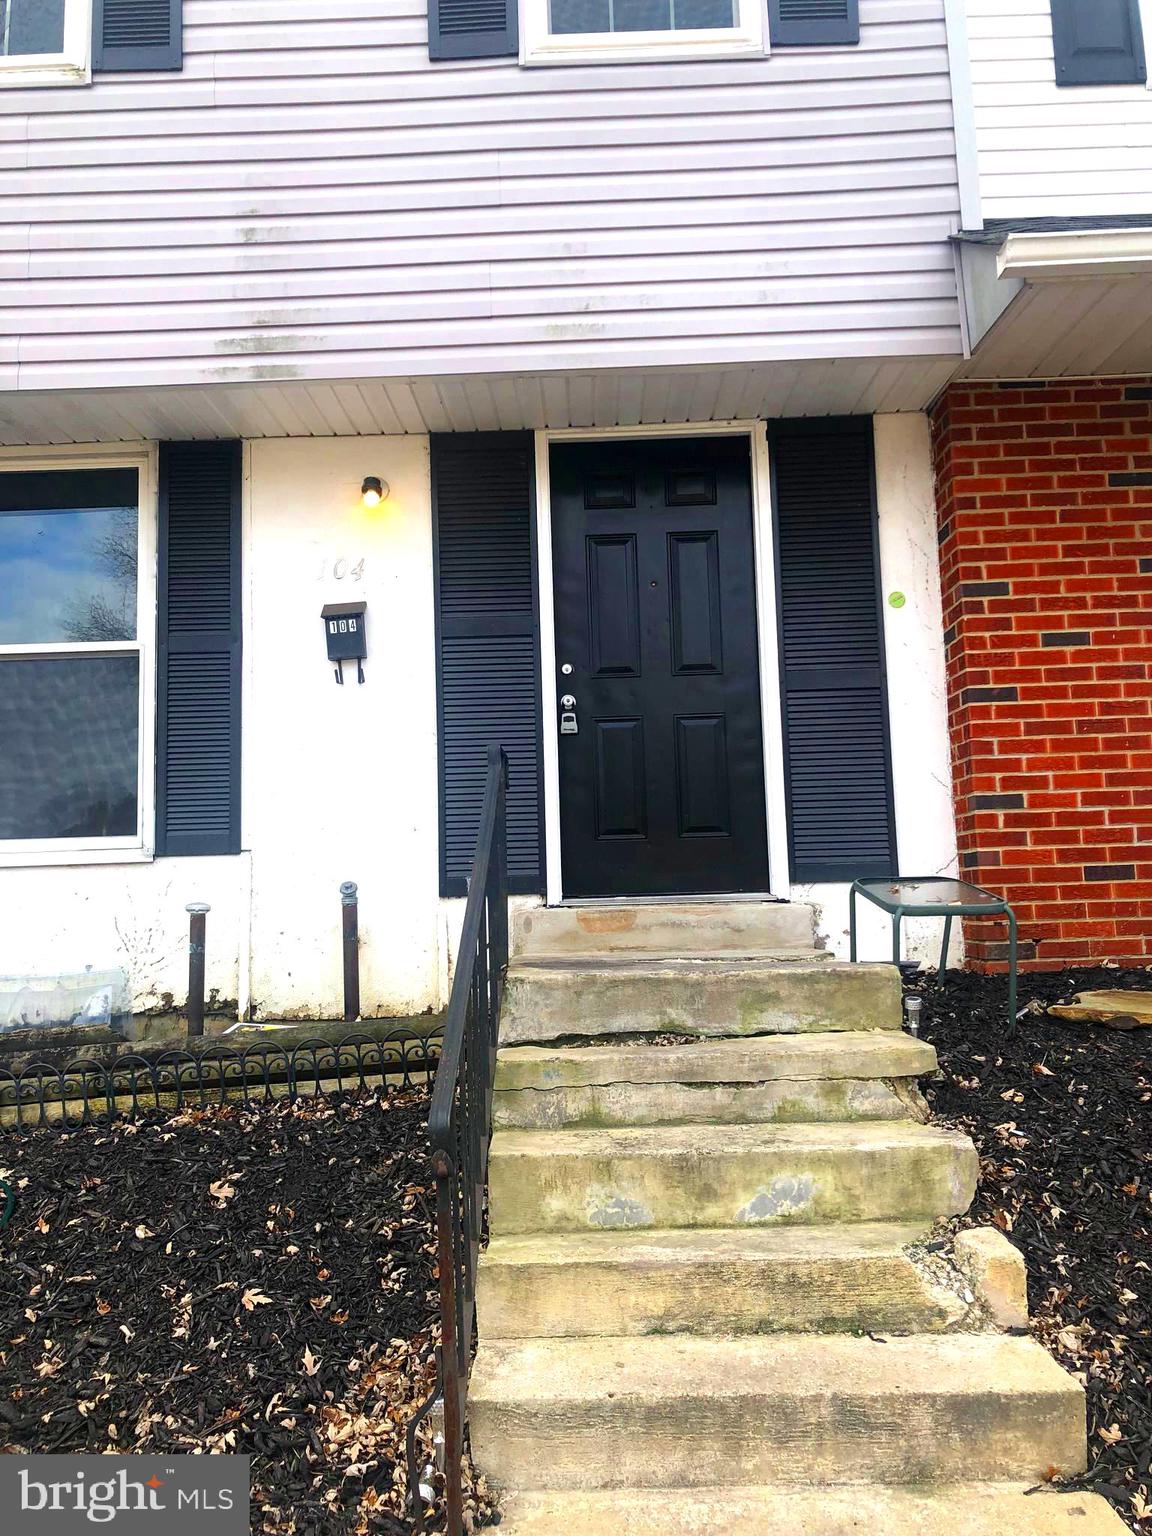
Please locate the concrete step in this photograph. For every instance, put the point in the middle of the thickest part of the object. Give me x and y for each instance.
(761, 1280)
(672, 927)
(555, 1000)
(683, 1412)
(982, 1509)
(726, 1176)
(764, 1078)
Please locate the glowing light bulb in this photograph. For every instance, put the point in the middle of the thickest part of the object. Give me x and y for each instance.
(373, 491)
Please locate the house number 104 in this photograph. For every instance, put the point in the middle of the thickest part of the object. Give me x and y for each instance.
(342, 567)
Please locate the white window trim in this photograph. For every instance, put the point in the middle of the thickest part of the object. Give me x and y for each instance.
(72, 66)
(16, 853)
(749, 38)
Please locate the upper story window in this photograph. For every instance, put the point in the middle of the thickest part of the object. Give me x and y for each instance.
(44, 42)
(607, 31)
(593, 31)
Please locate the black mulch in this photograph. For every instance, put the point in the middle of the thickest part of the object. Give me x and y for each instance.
(256, 1281)
(1062, 1116)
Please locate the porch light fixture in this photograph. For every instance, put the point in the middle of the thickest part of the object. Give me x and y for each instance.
(373, 491)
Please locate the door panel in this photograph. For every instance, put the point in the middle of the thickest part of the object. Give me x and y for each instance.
(662, 785)
(702, 776)
(694, 596)
(620, 779)
(613, 616)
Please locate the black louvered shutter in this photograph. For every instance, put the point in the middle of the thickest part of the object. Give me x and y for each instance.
(487, 635)
(137, 34)
(810, 23)
(198, 653)
(837, 755)
(472, 29)
(1098, 42)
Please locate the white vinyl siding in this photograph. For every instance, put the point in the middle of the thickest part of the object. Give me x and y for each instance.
(316, 200)
(1047, 151)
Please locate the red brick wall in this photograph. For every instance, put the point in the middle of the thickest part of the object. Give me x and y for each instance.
(1045, 506)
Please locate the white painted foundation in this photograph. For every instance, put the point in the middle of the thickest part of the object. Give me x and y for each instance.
(340, 782)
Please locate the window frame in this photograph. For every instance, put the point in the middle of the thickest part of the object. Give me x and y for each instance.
(748, 39)
(71, 66)
(18, 853)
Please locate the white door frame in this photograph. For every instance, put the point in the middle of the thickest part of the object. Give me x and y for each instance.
(766, 625)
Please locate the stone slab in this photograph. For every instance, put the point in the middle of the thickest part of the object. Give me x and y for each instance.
(547, 1001)
(726, 1176)
(1118, 1009)
(986, 1509)
(762, 1058)
(675, 927)
(762, 1280)
(996, 1272)
(681, 1412)
(768, 1078)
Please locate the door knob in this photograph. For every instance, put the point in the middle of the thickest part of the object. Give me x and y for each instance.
(567, 702)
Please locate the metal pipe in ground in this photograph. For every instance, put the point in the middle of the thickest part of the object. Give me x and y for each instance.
(350, 922)
(197, 925)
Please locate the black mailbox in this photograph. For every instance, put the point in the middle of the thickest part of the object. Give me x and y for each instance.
(346, 634)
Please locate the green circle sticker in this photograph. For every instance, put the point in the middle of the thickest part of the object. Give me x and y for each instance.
(896, 600)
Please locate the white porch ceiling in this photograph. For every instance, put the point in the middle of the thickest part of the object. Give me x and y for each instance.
(1082, 327)
(604, 398)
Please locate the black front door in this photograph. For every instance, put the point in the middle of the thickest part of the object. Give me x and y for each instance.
(662, 779)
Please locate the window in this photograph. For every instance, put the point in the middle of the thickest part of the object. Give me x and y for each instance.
(575, 31)
(44, 42)
(77, 595)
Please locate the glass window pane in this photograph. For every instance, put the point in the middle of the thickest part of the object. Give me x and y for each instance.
(703, 13)
(642, 16)
(639, 15)
(68, 556)
(31, 26)
(69, 725)
(581, 16)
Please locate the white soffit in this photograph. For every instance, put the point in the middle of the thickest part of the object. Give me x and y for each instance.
(1070, 328)
(351, 408)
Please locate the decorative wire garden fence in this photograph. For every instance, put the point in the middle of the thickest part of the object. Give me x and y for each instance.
(41, 1094)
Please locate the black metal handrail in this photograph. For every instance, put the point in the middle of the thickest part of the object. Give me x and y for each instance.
(460, 1129)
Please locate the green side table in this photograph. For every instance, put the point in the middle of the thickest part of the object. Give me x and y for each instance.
(934, 896)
